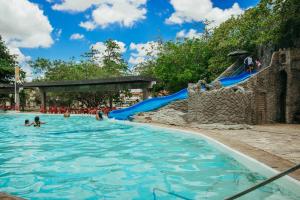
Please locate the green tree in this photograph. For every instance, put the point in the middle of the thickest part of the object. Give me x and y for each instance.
(66, 70)
(7, 71)
(92, 65)
(7, 64)
(271, 22)
(179, 63)
(256, 27)
(289, 29)
(113, 62)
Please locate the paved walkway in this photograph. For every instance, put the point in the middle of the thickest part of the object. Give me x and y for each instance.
(281, 140)
(278, 145)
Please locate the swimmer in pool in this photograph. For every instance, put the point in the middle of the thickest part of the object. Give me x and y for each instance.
(66, 114)
(99, 116)
(27, 123)
(37, 122)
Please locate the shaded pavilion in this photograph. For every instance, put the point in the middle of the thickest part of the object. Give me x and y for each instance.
(114, 84)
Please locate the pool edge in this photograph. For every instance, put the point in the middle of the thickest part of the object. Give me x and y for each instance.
(287, 182)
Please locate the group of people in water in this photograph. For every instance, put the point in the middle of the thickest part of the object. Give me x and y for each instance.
(99, 115)
(37, 123)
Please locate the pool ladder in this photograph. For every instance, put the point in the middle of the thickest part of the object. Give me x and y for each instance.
(261, 184)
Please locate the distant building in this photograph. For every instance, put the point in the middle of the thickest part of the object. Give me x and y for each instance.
(134, 96)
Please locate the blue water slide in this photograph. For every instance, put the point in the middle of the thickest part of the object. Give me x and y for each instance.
(233, 80)
(147, 105)
(158, 102)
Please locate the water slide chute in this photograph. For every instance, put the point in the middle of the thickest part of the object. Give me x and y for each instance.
(147, 105)
(158, 102)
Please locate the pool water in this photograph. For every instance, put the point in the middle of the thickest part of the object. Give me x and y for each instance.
(81, 158)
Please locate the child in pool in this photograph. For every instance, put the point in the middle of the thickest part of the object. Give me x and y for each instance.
(27, 123)
(37, 122)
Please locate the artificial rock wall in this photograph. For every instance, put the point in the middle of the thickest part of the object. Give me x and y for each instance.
(272, 95)
(172, 114)
(226, 105)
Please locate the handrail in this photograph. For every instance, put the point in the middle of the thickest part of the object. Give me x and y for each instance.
(238, 70)
(269, 180)
(228, 69)
(170, 193)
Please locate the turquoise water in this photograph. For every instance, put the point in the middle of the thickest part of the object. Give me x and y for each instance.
(81, 158)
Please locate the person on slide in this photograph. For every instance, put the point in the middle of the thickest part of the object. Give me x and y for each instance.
(248, 63)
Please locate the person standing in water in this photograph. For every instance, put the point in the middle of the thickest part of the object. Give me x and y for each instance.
(37, 122)
(99, 115)
(66, 114)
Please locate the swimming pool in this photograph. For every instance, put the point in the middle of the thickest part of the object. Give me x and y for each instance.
(81, 158)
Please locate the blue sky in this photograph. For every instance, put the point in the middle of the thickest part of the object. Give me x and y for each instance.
(43, 28)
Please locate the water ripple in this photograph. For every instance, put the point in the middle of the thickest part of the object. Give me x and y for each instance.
(81, 158)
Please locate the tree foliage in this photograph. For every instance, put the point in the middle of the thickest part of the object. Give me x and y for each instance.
(289, 27)
(275, 22)
(179, 63)
(7, 64)
(257, 26)
(66, 70)
(113, 63)
(92, 65)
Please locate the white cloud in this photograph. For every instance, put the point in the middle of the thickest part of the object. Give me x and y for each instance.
(123, 12)
(101, 48)
(58, 33)
(136, 60)
(22, 60)
(105, 12)
(76, 36)
(122, 46)
(142, 52)
(75, 5)
(200, 10)
(88, 25)
(20, 57)
(192, 33)
(24, 25)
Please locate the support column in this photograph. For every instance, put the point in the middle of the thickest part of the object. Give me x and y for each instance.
(43, 101)
(146, 93)
(17, 100)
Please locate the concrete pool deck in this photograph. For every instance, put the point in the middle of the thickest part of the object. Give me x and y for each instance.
(276, 145)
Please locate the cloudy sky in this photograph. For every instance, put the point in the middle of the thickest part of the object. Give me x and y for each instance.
(60, 29)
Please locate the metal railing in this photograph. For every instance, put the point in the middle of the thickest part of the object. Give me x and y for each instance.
(238, 70)
(269, 180)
